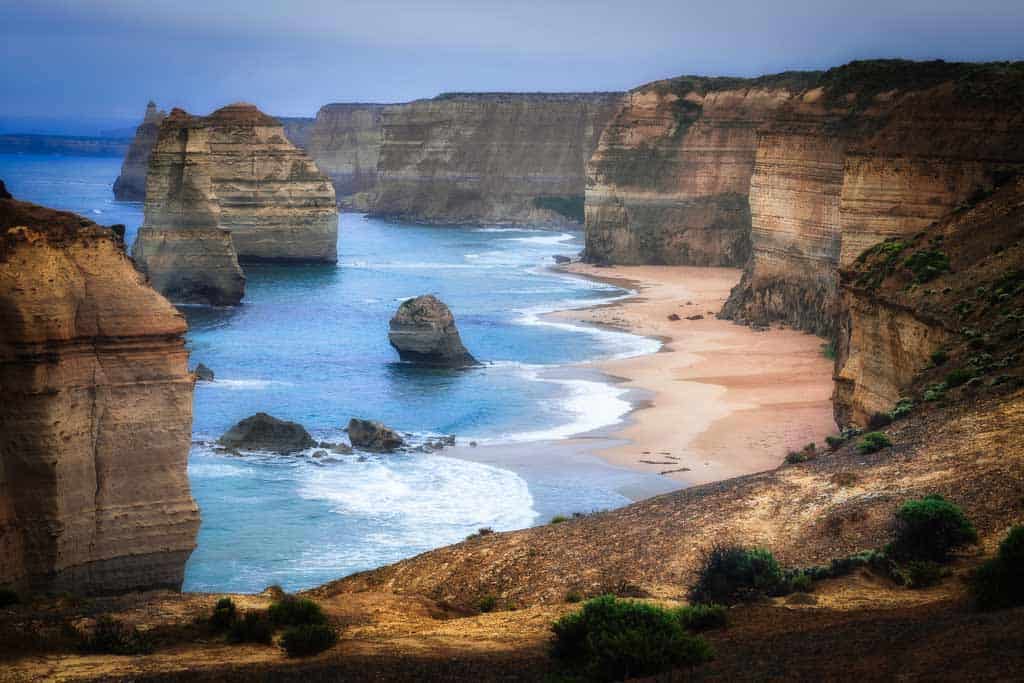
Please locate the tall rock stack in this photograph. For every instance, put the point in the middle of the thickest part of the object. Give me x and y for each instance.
(131, 184)
(181, 247)
(95, 425)
(273, 198)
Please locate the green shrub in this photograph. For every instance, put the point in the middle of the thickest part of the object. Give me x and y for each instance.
(8, 597)
(999, 582)
(873, 442)
(114, 637)
(927, 265)
(482, 531)
(929, 529)
(612, 640)
(923, 573)
(935, 392)
(834, 442)
(958, 377)
(307, 639)
(574, 596)
(879, 420)
(224, 615)
(801, 583)
(702, 617)
(487, 603)
(292, 611)
(829, 350)
(903, 407)
(251, 628)
(733, 573)
(939, 357)
(558, 519)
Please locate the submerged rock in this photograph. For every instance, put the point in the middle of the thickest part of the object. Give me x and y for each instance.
(203, 373)
(559, 258)
(423, 331)
(263, 432)
(373, 436)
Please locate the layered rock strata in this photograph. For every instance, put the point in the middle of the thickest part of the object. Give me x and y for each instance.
(95, 426)
(181, 247)
(941, 308)
(131, 184)
(875, 149)
(423, 331)
(670, 179)
(492, 158)
(345, 142)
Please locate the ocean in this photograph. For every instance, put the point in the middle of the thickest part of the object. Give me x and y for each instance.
(309, 344)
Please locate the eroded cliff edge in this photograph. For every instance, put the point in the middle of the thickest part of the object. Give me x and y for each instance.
(492, 158)
(131, 184)
(345, 142)
(96, 423)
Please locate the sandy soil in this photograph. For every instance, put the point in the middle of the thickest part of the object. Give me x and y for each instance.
(726, 400)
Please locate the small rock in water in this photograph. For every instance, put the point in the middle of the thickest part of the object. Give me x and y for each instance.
(262, 432)
(203, 373)
(373, 436)
(342, 448)
(472, 444)
(423, 331)
(561, 259)
(320, 454)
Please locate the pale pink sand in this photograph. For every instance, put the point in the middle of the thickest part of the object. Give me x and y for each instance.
(727, 400)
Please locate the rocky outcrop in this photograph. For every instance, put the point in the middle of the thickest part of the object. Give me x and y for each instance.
(925, 315)
(262, 432)
(131, 184)
(373, 436)
(203, 373)
(670, 179)
(875, 149)
(181, 247)
(423, 331)
(345, 142)
(96, 422)
(492, 158)
(298, 130)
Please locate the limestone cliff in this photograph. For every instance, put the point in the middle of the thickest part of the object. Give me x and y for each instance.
(131, 184)
(96, 420)
(345, 142)
(934, 313)
(495, 158)
(181, 247)
(670, 179)
(875, 149)
(298, 130)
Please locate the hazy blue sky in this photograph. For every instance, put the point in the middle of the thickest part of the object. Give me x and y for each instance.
(98, 61)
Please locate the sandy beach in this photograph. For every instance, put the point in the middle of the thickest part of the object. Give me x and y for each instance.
(724, 399)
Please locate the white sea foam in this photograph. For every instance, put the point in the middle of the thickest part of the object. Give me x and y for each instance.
(241, 384)
(544, 240)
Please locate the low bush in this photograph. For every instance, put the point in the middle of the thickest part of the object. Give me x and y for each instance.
(731, 573)
(482, 531)
(873, 442)
(253, 627)
(224, 615)
(903, 407)
(306, 640)
(999, 582)
(487, 603)
(574, 596)
(927, 265)
(8, 597)
(558, 519)
(293, 611)
(808, 452)
(935, 392)
(879, 420)
(958, 377)
(114, 637)
(612, 640)
(801, 583)
(929, 529)
(702, 617)
(923, 573)
(939, 357)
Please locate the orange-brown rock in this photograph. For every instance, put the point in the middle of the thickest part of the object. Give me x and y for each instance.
(670, 179)
(95, 425)
(188, 257)
(131, 184)
(493, 158)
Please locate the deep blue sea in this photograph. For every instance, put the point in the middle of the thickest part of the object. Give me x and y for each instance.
(309, 344)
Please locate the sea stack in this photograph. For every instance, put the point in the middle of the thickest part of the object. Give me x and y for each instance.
(423, 331)
(130, 186)
(188, 257)
(95, 426)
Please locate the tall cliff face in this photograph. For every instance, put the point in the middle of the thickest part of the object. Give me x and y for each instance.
(876, 149)
(670, 179)
(96, 423)
(491, 158)
(942, 310)
(131, 184)
(188, 257)
(298, 130)
(345, 142)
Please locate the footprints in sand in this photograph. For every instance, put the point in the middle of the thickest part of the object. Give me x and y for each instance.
(669, 460)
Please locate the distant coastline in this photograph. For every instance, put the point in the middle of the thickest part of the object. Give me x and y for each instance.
(70, 145)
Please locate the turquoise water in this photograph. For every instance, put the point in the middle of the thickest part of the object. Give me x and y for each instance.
(310, 344)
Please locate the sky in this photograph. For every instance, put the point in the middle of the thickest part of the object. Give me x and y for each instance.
(82, 66)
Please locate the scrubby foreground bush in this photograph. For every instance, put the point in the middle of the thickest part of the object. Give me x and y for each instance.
(308, 639)
(114, 637)
(929, 529)
(732, 573)
(292, 611)
(999, 583)
(612, 639)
